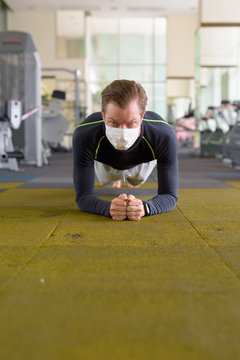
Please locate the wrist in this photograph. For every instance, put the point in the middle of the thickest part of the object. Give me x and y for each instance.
(146, 208)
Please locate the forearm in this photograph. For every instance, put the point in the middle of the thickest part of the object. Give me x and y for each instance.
(83, 178)
(161, 203)
(94, 205)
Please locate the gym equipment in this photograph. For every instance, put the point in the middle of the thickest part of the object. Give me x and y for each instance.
(218, 122)
(234, 146)
(20, 84)
(231, 141)
(79, 111)
(185, 129)
(55, 124)
(207, 128)
(12, 119)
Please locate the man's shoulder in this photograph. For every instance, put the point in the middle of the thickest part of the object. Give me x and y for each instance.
(93, 123)
(92, 119)
(89, 131)
(155, 122)
(156, 128)
(151, 115)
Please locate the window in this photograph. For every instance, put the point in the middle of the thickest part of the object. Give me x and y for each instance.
(127, 48)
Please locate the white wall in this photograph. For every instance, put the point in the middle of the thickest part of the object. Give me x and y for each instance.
(178, 88)
(219, 46)
(42, 27)
(181, 31)
(220, 11)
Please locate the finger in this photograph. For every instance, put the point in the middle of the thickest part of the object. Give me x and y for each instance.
(118, 205)
(119, 218)
(134, 214)
(120, 211)
(118, 215)
(135, 211)
(135, 203)
(134, 218)
(118, 202)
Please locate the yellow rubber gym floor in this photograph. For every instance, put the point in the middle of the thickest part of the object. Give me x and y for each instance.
(76, 286)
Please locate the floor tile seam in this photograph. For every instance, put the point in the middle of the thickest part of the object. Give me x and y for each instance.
(16, 275)
(37, 249)
(210, 246)
(4, 288)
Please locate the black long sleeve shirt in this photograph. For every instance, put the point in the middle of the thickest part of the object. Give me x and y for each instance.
(157, 141)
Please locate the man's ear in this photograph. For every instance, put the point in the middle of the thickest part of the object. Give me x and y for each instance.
(142, 115)
(102, 113)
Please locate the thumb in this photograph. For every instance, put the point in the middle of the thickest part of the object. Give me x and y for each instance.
(131, 197)
(123, 196)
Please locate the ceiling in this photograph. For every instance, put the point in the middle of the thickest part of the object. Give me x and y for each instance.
(114, 7)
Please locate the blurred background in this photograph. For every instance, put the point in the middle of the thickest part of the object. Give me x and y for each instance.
(185, 53)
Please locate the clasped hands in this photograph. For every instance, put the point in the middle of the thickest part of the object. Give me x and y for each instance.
(126, 207)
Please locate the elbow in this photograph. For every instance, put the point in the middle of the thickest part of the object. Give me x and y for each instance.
(171, 202)
(80, 202)
(174, 201)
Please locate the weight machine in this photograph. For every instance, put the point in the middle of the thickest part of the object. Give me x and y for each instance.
(20, 93)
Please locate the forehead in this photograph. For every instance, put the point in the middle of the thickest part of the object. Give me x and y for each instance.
(113, 108)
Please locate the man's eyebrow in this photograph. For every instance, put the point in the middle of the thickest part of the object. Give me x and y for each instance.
(111, 118)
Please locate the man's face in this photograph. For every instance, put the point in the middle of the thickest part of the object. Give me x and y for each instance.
(128, 118)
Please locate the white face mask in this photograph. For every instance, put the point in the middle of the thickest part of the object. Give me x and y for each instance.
(122, 139)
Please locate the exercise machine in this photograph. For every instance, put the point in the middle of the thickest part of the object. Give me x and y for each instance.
(207, 127)
(231, 140)
(11, 120)
(20, 94)
(217, 123)
(55, 124)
